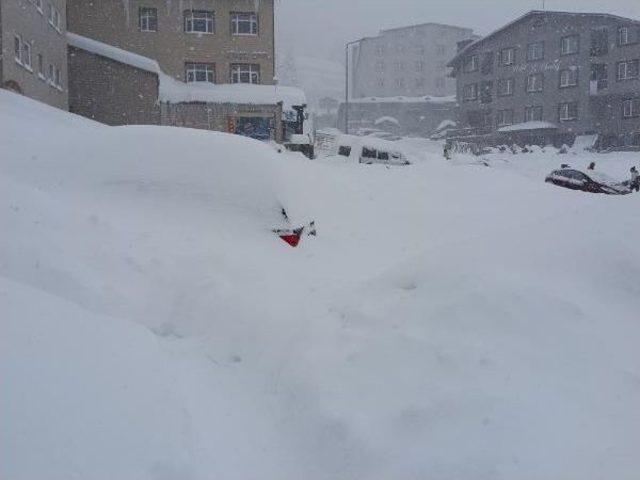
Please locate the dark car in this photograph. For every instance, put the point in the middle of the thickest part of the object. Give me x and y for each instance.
(594, 182)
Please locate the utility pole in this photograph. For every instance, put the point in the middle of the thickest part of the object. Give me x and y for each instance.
(346, 90)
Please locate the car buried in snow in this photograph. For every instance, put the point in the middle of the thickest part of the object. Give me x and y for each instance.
(592, 182)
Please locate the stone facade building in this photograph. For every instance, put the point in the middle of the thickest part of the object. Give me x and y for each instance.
(550, 76)
(34, 49)
(408, 61)
(226, 41)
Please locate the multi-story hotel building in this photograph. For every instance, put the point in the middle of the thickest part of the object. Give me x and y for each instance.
(34, 49)
(226, 41)
(549, 76)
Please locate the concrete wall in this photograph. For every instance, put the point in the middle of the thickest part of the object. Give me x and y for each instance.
(111, 92)
(110, 22)
(414, 118)
(21, 17)
(550, 28)
(408, 61)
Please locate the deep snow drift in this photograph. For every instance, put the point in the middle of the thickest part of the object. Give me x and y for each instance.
(451, 320)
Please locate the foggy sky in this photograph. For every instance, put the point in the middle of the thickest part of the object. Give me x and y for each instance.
(320, 28)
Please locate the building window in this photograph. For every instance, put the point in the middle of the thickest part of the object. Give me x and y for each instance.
(486, 92)
(535, 83)
(568, 111)
(54, 17)
(631, 108)
(17, 48)
(504, 118)
(380, 82)
(533, 114)
(51, 74)
(26, 55)
(570, 45)
(507, 56)
(506, 87)
(380, 50)
(487, 119)
(419, 66)
(623, 36)
(569, 77)
(245, 73)
(471, 64)
(244, 23)
(599, 42)
(628, 70)
(200, 72)
(470, 92)
(41, 72)
(535, 51)
(441, 50)
(198, 21)
(57, 81)
(39, 6)
(148, 19)
(400, 82)
(380, 66)
(399, 66)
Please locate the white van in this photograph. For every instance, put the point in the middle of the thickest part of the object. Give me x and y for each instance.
(368, 154)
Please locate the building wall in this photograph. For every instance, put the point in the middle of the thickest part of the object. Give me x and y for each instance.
(111, 92)
(23, 18)
(407, 62)
(597, 113)
(414, 118)
(220, 116)
(111, 22)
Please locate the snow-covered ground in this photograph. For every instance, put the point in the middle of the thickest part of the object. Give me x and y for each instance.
(451, 320)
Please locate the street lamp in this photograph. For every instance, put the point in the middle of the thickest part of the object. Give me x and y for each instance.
(346, 100)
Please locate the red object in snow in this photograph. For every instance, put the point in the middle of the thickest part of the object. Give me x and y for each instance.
(292, 239)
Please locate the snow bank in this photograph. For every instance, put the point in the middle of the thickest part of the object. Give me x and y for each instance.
(451, 320)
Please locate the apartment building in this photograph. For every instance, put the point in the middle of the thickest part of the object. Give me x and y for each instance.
(34, 49)
(222, 41)
(550, 76)
(408, 61)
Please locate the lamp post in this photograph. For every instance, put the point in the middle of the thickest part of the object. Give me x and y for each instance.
(346, 99)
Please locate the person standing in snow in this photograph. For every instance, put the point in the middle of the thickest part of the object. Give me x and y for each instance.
(447, 150)
(592, 166)
(635, 179)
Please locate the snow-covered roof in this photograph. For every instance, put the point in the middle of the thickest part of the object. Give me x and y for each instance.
(445, 124)
(528, 126)
(175, 91)
(114, 53)
(401, 99)
(472, 45)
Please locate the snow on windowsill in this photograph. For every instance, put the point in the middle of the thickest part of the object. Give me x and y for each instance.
(528, 126)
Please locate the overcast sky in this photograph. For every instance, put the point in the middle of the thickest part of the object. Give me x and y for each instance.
(320, 28)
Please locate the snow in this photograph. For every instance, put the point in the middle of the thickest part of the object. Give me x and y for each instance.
(445, 124)
(175, 91)
(382, 120)
(401, 99)
(533, 125)
(114, 53)
(451, 320)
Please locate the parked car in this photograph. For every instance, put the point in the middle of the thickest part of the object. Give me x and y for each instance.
(593, 182)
